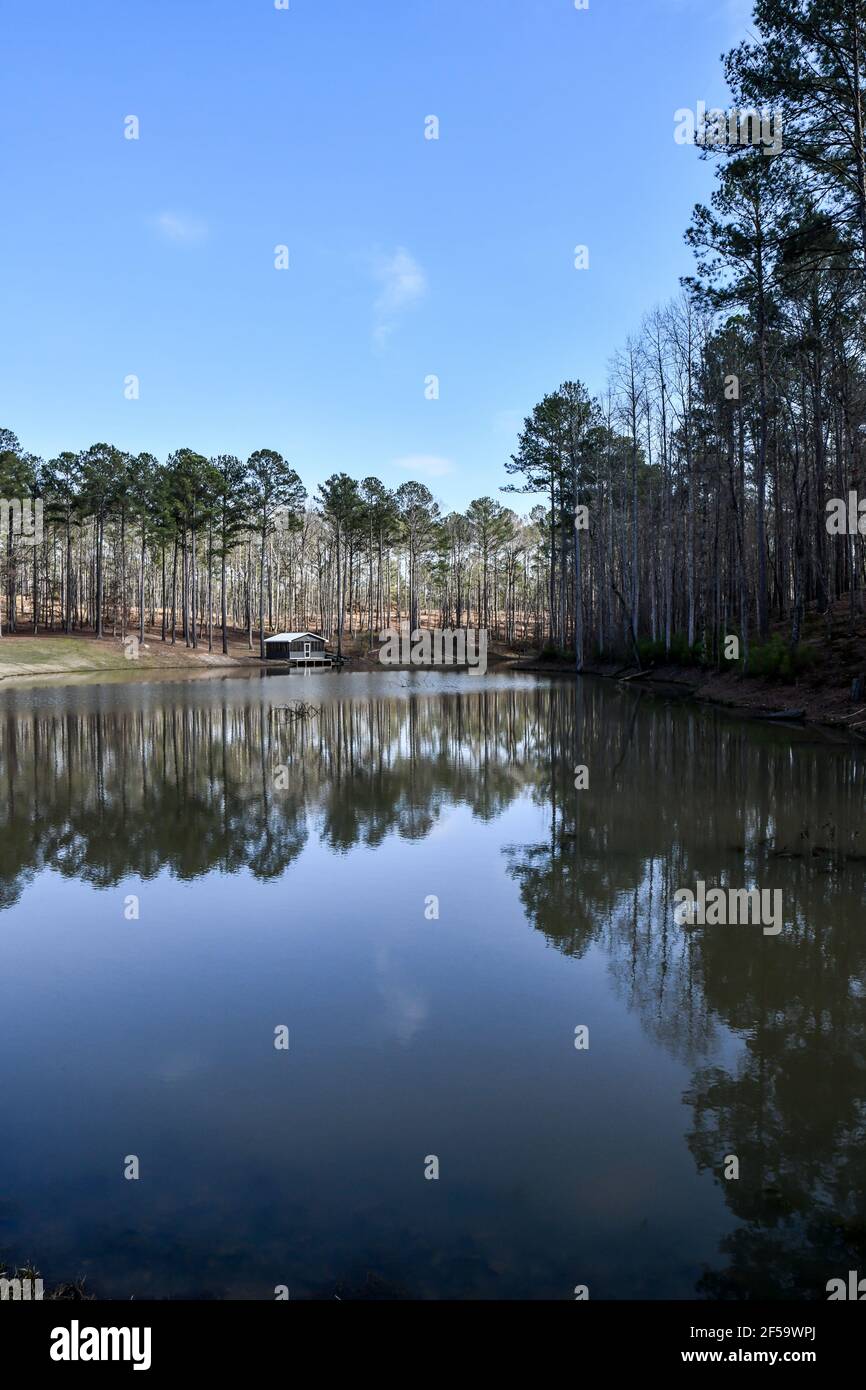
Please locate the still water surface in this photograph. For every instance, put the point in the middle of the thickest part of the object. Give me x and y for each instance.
(303, 905)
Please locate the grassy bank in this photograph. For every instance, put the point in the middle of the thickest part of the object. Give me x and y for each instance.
(24, 657)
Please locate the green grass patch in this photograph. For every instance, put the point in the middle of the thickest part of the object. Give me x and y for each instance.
(58, 654)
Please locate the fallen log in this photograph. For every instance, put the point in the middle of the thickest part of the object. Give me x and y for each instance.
(783, 714)
(637, 675)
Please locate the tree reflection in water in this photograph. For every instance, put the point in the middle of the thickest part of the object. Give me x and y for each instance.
(100, 789)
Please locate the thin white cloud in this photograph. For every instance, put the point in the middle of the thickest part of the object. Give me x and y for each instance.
(425, 465)
(177, 226)
(403, 283)
(406, 1009)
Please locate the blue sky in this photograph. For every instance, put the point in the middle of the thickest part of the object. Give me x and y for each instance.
(407, 257)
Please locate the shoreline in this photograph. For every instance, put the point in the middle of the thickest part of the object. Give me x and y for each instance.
(791, 706)
(87, 660)
(26, 659)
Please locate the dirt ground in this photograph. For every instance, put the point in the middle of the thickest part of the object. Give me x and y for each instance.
(821, 694)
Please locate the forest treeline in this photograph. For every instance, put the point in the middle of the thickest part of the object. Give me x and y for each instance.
(686, 502)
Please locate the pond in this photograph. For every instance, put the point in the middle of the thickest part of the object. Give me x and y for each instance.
(377, 1003)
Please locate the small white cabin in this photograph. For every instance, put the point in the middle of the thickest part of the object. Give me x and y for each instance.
(299, 648)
